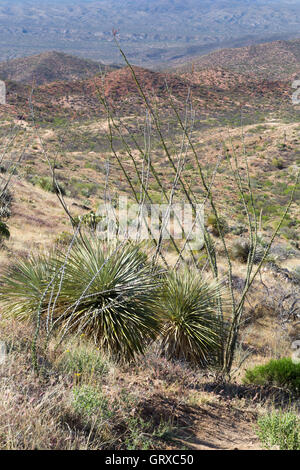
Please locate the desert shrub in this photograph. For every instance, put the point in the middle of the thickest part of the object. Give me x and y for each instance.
(239, 229)
(47, 184)
(113, 291)
(90, 220)
(241, 249)
(140, 430)
(23, 285)
(4, 231)
(278, 163)
(213, 224)
(88, 400)
(144, 434)
(85, 361)
(119, 419)
(105, 292)
(279, 429)
(278, 372)
(64, 239)
(187, 308)
(290, 233)
(82, 188)
(296, 272)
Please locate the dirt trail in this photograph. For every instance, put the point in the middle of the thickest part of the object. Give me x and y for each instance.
(222, 428)
(291, 263)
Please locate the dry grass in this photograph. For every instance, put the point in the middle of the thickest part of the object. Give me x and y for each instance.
(152, 404)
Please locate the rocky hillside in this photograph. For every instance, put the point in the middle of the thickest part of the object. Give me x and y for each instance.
(213, 91)
(278, 60)
(49, 67)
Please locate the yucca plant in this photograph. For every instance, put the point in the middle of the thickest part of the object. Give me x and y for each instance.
(99, 290)
(241, 250)
(110, 294)
(190, 327)
(24, 284)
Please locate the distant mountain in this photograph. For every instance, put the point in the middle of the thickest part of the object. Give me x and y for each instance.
(151, 32)
(279, 60)
(49, 67)
(213, 91)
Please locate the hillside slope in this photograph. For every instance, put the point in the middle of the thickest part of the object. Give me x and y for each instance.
(214, 90)
(278, 60)
(49, 67)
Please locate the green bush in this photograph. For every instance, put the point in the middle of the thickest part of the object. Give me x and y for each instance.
(278, 372)
(278, 163)
(239, 229)
(279, 429)
(241, 249)
(82, 188)
(213, 224)
(113, 290)
(23, 285)
(119, 420)
(144, 434)
(4, 231)
(46, 183)
(84, 361)
(90, 220)
(89, 400)
(290, 233)
(190, 329)
(64, 239)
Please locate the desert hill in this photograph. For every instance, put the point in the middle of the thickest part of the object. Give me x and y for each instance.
(256, 77)
(49, 67)
(278, 60)
(213, 89)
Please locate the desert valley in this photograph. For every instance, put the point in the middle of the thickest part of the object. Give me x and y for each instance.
(149, 343)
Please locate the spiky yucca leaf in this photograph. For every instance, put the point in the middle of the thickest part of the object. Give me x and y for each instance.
(187, 307)
(110, 293)
(23, 285)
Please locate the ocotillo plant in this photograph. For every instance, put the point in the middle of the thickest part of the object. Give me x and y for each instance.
(177, 159)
